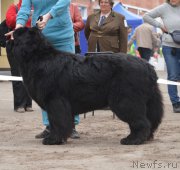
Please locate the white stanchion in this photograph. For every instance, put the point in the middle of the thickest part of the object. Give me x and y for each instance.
(15, 78)
(163, 81)
(10, 78)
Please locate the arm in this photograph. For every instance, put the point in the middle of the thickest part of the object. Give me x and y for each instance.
(78, 23)
(156, 41)
(23, 13)
(56, 10)
(11, 20)
(150, 16)
(87, 29)
(133, 38)
(11, 17)
(123, 36)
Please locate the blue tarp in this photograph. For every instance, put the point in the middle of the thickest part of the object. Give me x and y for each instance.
(132, 19)
(83, 41)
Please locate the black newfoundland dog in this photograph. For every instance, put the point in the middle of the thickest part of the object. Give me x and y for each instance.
(63, 85)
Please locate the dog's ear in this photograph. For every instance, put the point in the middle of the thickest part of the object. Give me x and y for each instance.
(23, 30)
(18, 32)
(35, 29)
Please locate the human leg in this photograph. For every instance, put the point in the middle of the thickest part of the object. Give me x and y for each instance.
(28, 106)
(75, 134)
(45, 121)
(46, 131)
(21, 97)
(77, 49)
(173, 74)
(145, 53)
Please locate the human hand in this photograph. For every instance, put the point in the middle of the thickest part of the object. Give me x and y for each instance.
(164, 30)
(41, 23)
(9, 35)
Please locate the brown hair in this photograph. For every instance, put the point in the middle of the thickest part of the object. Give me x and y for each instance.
(168, 1)
(111, 2)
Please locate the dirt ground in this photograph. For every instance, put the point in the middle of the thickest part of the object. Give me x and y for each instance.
(97, 149)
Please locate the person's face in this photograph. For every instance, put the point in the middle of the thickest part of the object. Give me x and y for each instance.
(105, 6)
(174, 2)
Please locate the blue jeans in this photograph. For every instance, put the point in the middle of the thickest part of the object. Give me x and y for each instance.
(46, 120)
(172, 59)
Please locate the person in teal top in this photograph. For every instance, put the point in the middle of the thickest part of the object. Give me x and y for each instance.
(57, 27)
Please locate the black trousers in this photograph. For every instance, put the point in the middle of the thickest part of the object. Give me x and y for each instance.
(145, 53)
(77, 49)
(21, 97)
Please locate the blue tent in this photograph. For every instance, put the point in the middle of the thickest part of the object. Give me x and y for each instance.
(83, 41)
(132, 19)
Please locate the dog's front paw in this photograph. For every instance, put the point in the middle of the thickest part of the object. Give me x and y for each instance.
(131, 141)
(53, 141)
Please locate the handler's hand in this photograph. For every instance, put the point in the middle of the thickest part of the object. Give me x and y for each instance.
(9, 35)
(42, 24)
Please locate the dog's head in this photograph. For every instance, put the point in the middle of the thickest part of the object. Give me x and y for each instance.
(27, 36)
(30, 44)
(27, 43)
(24, 31)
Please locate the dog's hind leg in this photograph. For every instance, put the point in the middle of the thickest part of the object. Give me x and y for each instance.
(133, 112)
(155, 110)
(140, 130)
(60, 119)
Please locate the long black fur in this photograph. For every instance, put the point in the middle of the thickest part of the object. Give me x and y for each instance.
(63, 85)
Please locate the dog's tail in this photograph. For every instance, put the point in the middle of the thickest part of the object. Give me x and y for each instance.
(155, 109)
